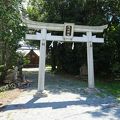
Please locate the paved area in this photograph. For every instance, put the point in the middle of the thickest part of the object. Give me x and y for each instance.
(66, 100)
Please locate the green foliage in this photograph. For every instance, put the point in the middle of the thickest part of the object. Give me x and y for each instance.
(111, 87)
(84, 12)
(12, 31)
(7, 87)
(1, 69)
(25, 60)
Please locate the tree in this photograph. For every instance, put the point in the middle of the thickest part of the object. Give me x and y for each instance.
(12, 31)
(109, 51)
(84, 12)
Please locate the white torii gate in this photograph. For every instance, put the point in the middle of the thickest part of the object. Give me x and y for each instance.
(68, 35)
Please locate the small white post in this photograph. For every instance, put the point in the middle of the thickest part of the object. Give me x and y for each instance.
(90, 61)
(41, 75)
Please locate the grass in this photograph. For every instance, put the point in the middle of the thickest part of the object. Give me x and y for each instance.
(3, 94)
(111, 87)
(3, 91)
(8, 96)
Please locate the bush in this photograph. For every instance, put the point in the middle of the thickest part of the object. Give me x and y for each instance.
(1, 68)
(7, 87)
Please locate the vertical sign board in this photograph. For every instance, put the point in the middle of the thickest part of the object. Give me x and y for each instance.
(68, 31)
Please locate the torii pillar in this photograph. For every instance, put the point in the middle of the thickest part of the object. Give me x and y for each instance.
(41, 75)
(90, 61)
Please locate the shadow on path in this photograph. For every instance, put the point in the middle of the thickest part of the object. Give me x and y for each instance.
(56, 84)
(105, 108)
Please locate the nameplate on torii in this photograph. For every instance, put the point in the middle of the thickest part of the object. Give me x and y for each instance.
(49, 37)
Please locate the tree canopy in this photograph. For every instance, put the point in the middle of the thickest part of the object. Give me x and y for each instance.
(84, 12)
(12, 31)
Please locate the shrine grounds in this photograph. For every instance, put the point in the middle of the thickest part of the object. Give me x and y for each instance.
(67, 100)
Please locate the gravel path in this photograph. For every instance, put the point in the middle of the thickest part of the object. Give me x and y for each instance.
(66, 100)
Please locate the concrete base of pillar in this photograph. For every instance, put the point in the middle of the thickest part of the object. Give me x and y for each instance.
(92, 90)
(41, 94)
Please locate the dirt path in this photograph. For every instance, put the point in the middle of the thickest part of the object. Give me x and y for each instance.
(8, 96)
(66, 101)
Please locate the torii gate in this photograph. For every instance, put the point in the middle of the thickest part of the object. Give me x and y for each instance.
(68, 30)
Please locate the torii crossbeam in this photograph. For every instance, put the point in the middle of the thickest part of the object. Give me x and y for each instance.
(68, 35)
